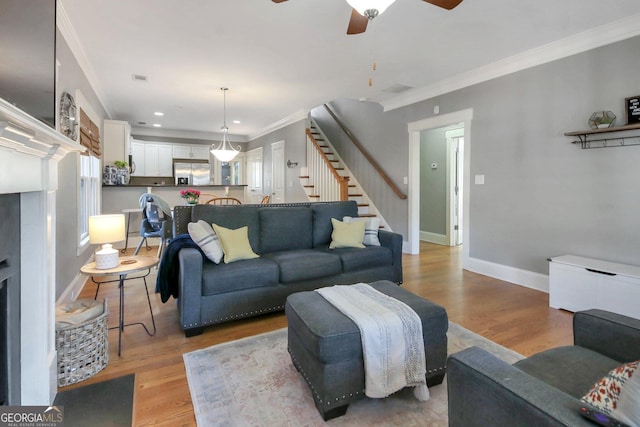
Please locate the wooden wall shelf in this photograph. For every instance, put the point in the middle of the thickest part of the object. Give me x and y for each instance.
(603, 142)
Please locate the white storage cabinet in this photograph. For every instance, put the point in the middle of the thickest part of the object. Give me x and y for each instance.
(579, 283)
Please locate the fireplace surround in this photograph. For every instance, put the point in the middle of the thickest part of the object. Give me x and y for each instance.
(29, 156)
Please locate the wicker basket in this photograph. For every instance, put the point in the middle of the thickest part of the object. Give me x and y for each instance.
(83, 349)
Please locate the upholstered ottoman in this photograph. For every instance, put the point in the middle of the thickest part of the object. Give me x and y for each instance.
(325, 346)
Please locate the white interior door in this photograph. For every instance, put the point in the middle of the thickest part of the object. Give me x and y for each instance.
(254, 175)
(457, 191)
(278, 172)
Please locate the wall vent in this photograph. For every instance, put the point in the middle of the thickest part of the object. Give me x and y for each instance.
(139, 77)
(398, 88)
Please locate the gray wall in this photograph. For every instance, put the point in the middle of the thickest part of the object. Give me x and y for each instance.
(385, 137)
(295, 150)
(68, 261)
(543, 196)
(433, 182)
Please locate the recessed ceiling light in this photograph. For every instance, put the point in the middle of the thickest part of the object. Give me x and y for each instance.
(157, 125)
(158, 113)
(237, 122)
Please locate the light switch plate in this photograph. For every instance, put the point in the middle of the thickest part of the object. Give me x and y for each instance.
(479, 179)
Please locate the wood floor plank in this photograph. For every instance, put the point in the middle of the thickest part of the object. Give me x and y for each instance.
(513, 316)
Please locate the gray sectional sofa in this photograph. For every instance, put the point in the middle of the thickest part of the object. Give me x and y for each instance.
(293, 243)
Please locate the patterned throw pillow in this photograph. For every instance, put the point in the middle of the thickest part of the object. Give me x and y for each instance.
(204, 236)
(618, 394)
(371, 227)
(235, 243)
(347, 235)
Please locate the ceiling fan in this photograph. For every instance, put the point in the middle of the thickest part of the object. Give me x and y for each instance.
(365, 10)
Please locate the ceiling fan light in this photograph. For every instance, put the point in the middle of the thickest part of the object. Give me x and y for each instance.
(363, 5)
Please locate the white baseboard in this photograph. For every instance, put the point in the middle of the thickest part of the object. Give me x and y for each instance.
(73, 290)
(529, 279)
(439, 239)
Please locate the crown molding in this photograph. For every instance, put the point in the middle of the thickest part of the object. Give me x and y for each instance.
(587, 40)
(186, 134)
(289, 120)
(71, 37)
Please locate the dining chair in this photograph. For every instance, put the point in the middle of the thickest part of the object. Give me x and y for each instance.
(224, 201)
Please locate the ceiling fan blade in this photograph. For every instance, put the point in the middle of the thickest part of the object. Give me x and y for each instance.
(358, 23)
(278, 1)
(446, 4)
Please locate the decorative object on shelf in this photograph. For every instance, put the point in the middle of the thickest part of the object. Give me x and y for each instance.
(602, 119)
(123, 174)
(68, 116)
(190, 195)
(109, 175)
(224, 151)
(632, 107)
(105, 230)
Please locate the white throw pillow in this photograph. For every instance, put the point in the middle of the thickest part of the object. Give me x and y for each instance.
(371, 227)
(204, 236)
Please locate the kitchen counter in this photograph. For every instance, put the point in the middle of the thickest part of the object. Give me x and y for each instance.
(115, 198)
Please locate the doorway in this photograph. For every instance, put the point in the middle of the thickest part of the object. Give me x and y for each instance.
(441, 185)
(277, 172)
(254, 175)
(462, 118)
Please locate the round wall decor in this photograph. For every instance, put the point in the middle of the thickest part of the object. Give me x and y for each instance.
(68, 116)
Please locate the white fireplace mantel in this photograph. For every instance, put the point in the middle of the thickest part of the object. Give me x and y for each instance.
(29, 155)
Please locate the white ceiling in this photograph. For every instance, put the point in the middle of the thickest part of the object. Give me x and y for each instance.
(280, 59)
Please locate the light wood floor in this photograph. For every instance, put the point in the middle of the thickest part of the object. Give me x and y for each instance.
(514, 316)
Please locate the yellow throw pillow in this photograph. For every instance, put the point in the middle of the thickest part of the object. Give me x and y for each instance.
(235, 243)
(347, 234)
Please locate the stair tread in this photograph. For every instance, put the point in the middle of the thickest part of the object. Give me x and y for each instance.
(304, 176)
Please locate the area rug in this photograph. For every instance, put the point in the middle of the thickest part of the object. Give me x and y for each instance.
(104, 404)
(251, 382)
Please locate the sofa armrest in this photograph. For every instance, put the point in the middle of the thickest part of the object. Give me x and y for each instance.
(393, 241)
(190, 283)
(610, 334)
(483, 390)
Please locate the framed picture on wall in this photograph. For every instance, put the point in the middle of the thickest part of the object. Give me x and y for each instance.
(632, 108)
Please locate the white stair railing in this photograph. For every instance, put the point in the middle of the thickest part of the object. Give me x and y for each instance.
(329, 184)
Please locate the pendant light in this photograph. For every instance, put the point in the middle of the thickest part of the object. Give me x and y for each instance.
(224, 151)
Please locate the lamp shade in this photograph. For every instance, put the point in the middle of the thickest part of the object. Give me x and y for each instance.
(363, 5)
(106, 229)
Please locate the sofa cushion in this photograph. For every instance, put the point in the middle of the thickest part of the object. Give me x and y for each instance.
(232, 217)
(322, 214)
(618, 393)
(371, 228)
(235, 243)
(305, 264)
(207, 239)
(346, 235)
(245, 274)
(572, 369)
(285, 228)
(354, 259)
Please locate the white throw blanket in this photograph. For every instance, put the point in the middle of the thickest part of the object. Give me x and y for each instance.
(392, 342)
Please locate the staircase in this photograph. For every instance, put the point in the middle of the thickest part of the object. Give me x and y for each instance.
(327, 178)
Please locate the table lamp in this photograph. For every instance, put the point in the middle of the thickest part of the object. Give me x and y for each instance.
(105, 230)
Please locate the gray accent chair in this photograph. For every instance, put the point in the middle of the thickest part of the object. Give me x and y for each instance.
(544, 389)
(292, 241)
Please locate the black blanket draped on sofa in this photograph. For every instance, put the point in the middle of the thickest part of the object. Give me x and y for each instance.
(167, 279)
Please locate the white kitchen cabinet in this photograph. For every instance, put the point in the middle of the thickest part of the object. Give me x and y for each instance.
(116, 135)
(183, 151)
(138, 159)
(579, 283)
(152, 159)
